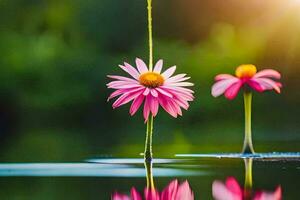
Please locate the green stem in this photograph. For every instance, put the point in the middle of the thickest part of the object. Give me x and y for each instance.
(248, 173)
(248, 178)
(149, 8)
(149, 175)
(148, 142)
(248, 146)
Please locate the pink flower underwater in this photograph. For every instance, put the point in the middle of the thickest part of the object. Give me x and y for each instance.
(151, 87)
(231, 190)
(246, 75)
(173, 191)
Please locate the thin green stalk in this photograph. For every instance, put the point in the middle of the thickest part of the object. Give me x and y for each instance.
(149, 175)
(148, 142)
(248, 173)
(149, 8)
(248, 178)
(248, 146)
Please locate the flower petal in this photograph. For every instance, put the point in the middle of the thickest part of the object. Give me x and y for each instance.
(221, 86)
(233, 90)
(163, 101)
(117, 196)
(220, 192)
(175, 78)
(122, 78)
(142, 67)
(158, 66)
(268, 84)
(169, 72)
(181, 84)
(255, 85)
(233, 186)
(154, 105)
(146, 91)
(122, 91)
(170, 191)
(130, 70)
(223, 77)
(268, 73)
(125, 98)
(153, 92)
(184, 192)
(164, 92)
(122, 85)
(135, 195)
(137, 102)
(146, 111)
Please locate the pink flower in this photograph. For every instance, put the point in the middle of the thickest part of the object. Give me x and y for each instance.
(173, 191)
(153, 88)
(231, 190)
(246, 75)
(263, 195)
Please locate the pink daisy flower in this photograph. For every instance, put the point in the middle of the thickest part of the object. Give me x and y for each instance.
(246, 76)
(174, 191)
(152, 88)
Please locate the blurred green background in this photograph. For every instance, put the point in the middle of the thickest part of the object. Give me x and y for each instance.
(55, 55)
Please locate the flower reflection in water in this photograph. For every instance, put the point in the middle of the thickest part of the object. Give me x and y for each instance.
(174, 191)
(231, 190)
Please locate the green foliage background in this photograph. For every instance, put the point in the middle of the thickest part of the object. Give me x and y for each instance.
(55, 55)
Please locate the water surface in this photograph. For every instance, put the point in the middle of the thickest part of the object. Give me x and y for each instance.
(100, 178)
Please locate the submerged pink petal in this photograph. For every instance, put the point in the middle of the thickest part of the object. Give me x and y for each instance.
(169, 72)
(158, 66)
(221, 86)
(151, 194)
(135, 195)
(170, 191)
(221, 192)
(268, 73)
(233, 186)
(262, 195)
(233, 90)
(184, 192)
(117, 196)
(142, 67)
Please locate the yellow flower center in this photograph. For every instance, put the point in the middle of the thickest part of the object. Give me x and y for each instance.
(245, 71)
(151, 80)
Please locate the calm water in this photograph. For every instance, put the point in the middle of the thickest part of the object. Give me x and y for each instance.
(100, 178)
